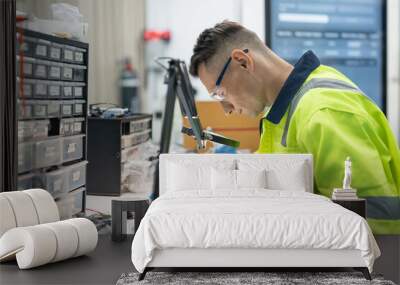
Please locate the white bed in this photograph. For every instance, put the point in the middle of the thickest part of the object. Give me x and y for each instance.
(201, 219)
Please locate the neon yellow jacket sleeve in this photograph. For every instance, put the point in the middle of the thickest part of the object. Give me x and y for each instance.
(371, 158)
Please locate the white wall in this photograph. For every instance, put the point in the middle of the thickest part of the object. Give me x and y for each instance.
(186, 19)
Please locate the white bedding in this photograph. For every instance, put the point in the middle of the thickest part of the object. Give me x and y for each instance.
(251, 218)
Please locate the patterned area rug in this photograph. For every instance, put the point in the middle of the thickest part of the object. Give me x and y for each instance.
(242, 278)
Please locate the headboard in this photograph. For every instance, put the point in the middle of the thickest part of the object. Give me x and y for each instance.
(209, 159)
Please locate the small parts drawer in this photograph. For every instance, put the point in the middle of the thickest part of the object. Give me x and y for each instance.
(63, 180)
(72, 126)
(77, 175)
(48, 89)
(55, 182)
(135, 138)
(139, 125)
(44, 69)
(71, 204)
(47, 153)
(29, 130)
(72, 148)
(25, 157)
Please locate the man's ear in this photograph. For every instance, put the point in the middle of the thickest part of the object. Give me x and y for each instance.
(244, 59)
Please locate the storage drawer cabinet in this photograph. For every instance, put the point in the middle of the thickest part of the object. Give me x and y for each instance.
(77, 175)
(47, 153)
(55, 182)
(107, 157)
(51, 92)
(72, 148)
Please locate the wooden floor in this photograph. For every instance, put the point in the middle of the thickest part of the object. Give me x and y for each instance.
(103, 266)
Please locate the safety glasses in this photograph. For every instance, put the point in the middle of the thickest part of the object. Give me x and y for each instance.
(219, 93)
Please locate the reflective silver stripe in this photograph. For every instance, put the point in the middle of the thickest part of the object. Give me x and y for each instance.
(383, 208)
(314, 83)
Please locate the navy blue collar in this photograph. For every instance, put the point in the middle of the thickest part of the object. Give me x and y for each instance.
(302, 69)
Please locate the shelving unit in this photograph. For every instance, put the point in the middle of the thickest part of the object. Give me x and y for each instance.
(52, 80)
(108, 157)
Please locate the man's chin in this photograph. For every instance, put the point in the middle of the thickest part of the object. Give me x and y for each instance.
(248, 113)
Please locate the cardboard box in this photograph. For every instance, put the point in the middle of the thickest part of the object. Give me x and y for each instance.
(238, 127)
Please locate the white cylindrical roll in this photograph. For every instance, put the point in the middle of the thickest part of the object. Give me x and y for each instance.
(45, 206)
(67, 240)
(7, 217)
(34, 246)
(24, 210)
(87, 235)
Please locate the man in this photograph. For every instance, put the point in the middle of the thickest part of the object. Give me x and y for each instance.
(309, 108)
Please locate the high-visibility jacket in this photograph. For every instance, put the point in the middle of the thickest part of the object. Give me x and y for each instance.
(322, 112)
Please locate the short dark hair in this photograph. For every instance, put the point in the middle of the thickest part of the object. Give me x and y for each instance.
(209, 41)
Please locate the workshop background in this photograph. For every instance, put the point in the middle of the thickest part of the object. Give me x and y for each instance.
(102, 141)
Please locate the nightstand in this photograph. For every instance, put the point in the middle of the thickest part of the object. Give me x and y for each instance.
(119, 211)
(357, 206)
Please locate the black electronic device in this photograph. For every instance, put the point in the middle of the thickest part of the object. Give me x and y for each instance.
(177, 79)
(179, 85)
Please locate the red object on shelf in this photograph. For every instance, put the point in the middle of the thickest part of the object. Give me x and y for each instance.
(156, 35)
(21, 18)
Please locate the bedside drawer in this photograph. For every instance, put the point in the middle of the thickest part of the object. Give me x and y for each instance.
(357, 206)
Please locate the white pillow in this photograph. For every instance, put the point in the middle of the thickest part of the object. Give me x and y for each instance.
(186, 175)
(292, 179)
(223, 179)
(281, 174)
(251, 178)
